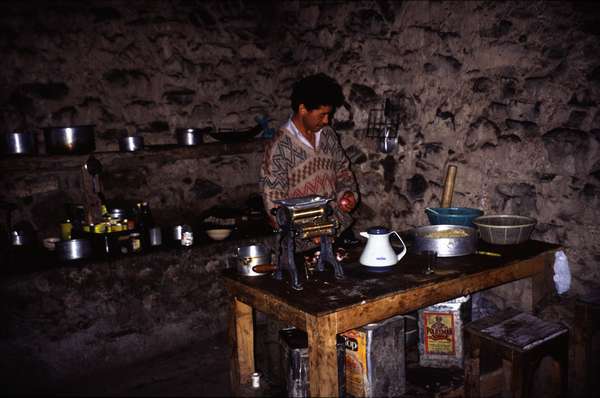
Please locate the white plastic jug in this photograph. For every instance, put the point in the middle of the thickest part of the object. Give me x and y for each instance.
(379, 251)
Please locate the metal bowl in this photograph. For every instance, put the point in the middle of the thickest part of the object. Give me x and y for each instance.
(131, 143)
(505, 229)
(445, 247)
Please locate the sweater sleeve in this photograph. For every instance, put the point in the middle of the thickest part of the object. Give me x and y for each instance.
(274, 183)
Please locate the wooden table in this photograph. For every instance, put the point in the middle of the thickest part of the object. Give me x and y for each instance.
(326, 306)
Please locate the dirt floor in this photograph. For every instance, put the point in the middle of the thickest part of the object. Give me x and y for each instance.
(203, 370)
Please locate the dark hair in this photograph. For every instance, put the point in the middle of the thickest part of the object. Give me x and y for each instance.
(315, 91)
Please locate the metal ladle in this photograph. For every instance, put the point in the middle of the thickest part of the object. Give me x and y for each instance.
(433, 211)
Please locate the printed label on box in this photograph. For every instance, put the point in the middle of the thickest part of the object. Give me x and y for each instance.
(356, 363)
(439, 333)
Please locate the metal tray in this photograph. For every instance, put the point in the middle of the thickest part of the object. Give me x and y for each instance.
(444, 247)
(303, 202)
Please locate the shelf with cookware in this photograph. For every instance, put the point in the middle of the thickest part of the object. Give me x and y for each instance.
(52, 162)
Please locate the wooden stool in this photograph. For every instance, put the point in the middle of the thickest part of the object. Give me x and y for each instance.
(586, 328)
(518, 341)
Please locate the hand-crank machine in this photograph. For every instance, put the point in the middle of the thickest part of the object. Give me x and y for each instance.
(307, 217)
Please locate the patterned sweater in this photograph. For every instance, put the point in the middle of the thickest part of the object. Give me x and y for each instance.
(292, 169)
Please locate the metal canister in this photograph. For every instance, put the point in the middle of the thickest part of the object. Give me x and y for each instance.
(136, 242)
(440, 333)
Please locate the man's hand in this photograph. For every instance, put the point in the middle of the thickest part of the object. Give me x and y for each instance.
(347, 202)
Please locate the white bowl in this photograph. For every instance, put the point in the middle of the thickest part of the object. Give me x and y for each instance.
(50, 243)
(218, 234)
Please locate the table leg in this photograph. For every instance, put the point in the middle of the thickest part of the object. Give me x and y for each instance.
(242, 337)
(322, 356)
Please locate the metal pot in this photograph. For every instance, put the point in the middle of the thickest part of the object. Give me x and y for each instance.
(20, 237)
(253, 260)
(179, 230)
(74, 140)
(445, 247)
(19, 143)
(131, 143)
(73, 249)
(189, 136)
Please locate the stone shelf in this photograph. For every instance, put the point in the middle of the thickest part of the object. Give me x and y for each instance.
(149, 153)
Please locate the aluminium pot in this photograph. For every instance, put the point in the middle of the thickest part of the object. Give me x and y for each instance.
(253, 260)
(445, 246)
(73, 249)
(131, 143)
(71, 140)
(19, 143)
(189, 136)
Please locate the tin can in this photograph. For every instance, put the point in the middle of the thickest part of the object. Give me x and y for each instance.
(441, 335)
(375, 359)
(187, 236)
(136, 242)
(255, 380)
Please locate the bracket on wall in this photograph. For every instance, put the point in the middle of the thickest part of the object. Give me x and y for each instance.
(383, 125)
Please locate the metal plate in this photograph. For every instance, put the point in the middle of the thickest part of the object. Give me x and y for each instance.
(303, 202)
(445, 247)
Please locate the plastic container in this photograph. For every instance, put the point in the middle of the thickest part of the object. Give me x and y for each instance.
(452, 215)
(505, 229)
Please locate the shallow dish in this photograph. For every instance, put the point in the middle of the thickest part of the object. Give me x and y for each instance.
(50, 243)
(218, 233)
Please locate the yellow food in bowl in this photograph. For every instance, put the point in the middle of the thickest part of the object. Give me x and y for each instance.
(451, 233)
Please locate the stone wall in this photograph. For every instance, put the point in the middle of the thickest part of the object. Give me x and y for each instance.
(508, 92)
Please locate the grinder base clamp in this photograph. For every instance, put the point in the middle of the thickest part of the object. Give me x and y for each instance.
(306, 218)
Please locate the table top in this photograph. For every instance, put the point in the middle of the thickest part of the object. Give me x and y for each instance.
(323, 294)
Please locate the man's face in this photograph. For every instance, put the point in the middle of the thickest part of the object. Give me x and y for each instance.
(314, 120)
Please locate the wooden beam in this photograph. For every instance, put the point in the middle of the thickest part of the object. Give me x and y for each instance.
(244, 344)
(410, 300)
(267, 304)
(322, 356)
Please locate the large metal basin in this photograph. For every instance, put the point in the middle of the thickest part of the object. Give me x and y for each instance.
(445, 247)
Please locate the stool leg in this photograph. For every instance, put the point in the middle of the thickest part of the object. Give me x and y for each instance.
(564, 366)
(507, 371)
(472, 380)
(518, 380)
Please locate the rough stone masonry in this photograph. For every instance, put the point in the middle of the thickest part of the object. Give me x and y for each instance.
(507, 91)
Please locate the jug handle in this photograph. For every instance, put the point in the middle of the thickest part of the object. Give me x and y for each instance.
(364, 235)
(403, 252)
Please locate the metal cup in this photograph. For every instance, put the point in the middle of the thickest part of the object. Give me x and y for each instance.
(155, 235)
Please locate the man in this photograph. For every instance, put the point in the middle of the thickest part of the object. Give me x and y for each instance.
(305, 156)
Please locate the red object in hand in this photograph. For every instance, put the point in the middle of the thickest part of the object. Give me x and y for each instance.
(347, 202)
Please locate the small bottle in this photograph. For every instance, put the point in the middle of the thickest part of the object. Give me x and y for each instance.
(65, 229)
